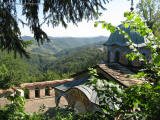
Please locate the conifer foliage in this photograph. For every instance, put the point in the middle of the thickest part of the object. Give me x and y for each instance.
(55, 12)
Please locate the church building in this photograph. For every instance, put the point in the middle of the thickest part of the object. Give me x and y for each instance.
(84, 98)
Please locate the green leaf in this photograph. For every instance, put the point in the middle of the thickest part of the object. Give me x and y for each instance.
(141, 74)
(149, 30)
(95, 24)
(134, 103)
(134, 76)
(108, 26)
(157, 59)
(137, 20)
(142, 23)
(126, 14)
(126, 25)
(103, 26)
(132, 16)
(112, 29)
(149, 45)
(148, 86)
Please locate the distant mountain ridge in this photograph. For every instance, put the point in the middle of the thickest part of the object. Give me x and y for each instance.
(58, 44)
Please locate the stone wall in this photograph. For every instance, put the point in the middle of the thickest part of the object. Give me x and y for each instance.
(38, 94)
(79, 101)
(4, 102)
(118, 54)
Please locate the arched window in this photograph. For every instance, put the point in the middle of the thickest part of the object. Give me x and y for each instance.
(129, 62)
(47, 91)
(108, 56)
(117, 57)
(37, 92)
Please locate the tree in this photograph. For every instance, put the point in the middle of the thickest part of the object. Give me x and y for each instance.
(9, 78)
(137, 102)
(55, 12)
(150, 11)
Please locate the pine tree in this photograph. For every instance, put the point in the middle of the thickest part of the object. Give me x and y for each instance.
(55, 12)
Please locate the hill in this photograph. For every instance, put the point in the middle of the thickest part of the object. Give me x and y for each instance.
(43, 62)
(57, 44)
(55, 60)
(76, 61)
(69, 51)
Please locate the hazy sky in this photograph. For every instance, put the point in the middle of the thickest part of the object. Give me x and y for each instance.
(113, 14)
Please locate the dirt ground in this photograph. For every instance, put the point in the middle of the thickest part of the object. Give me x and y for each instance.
(33, 105)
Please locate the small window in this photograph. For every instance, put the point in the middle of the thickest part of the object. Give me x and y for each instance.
(108, 56)
(26, 93)
(37, 92)
(117, 56)
(47, 91)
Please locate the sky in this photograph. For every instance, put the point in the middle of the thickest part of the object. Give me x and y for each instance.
(113, 14)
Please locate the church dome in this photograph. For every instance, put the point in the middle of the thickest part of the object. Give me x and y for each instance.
(118, 39)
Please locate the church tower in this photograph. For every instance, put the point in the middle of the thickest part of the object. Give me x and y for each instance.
(118, 47)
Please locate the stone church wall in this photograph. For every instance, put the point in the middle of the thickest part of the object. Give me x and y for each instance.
(118, 54)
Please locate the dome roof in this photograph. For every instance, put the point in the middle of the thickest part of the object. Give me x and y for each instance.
(89, 92)
(118, 39)
(79, 84)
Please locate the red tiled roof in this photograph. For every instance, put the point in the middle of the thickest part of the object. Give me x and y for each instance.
(36, 84)
(119, 73)
(46, 83)
(6, 91)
